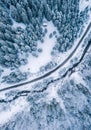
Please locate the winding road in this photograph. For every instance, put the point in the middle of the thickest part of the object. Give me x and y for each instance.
(52, 71)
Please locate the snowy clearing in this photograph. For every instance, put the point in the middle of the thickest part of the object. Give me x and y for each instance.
(44, 57)
(15, 25)
(7, 114)
(83, 4)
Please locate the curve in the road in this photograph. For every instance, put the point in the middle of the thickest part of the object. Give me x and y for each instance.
(49, 73)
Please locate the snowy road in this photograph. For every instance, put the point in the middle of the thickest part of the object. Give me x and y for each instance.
(59, 66)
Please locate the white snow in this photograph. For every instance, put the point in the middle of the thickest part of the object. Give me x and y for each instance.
(52, 94)
(6, 72)
(35, 63)
(5, 115)
(45, 56)
(78, 78)
(83, 4)
(15, 25)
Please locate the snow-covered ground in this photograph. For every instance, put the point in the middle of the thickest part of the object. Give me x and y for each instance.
(60, 58)
(44, 57)
(15, 25)
(7, 113)
(52, 94)
(78, 78)
(84, 3)
(34, 63)
(75, 101)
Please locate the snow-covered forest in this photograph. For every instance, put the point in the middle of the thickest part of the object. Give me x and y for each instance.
(45, 64)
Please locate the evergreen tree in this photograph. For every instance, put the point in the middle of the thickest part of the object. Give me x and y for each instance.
(14, 13)
(59, 4)
(19, 8)
(40, 12)
(13, 2)
(48, 13)
(29, 13)
(24, 17)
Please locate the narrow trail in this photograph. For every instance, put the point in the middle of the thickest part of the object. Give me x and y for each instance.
(59, 66)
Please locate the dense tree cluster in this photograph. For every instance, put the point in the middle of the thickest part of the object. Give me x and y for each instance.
(15, 76)
(69, 21)
(15, 42)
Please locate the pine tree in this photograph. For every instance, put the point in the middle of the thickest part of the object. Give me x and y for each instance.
(14, 13)
(2, 36)
(48, 12)
(13, 2)
(29, 13)
(19, 8)
(24, 17)
(59, 4)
